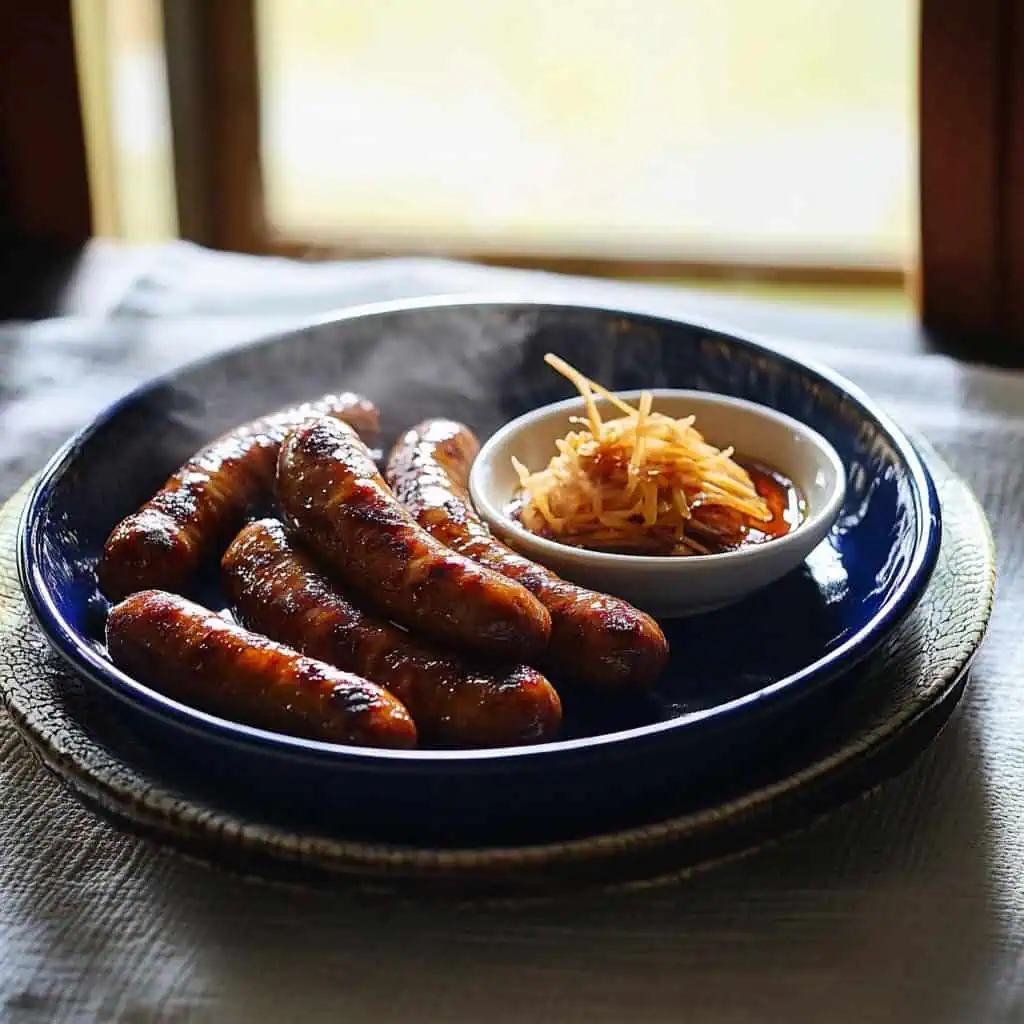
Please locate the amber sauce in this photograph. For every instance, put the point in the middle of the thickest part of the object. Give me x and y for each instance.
(783, 500)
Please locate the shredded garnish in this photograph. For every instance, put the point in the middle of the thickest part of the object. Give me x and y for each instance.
(642, 482)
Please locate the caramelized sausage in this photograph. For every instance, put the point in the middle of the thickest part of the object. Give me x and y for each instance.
(276, 589)
(337, 502)
(198, 510)
(595, 638)
(200, 658)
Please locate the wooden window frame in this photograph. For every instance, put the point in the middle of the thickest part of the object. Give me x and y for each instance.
(212, 67)
(970, 279)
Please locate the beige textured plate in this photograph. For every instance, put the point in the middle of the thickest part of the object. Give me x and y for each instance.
(902, 698)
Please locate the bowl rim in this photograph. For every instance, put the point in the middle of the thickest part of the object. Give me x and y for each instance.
(820, 518)
(82, 655)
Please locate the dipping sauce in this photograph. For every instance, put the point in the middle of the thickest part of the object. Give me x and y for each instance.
(787, 506)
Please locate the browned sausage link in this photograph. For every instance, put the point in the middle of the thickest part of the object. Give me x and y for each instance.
(199, 658)
(595, 638)
(333, 496)
(276, 589)
(198, 510)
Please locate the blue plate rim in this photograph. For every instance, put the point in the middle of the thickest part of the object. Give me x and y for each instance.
(86, 660)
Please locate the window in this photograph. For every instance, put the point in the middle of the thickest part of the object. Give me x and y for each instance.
(742, 140)
(738, 131)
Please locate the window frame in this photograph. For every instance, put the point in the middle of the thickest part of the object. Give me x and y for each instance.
(969, 283)
(220, 191)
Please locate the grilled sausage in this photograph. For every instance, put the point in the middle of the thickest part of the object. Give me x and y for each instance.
(200, 658)
(597, 639)
(276, 589)
(337, 502)
(197, 512)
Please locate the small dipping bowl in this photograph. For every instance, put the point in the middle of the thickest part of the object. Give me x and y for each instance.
(670, 586)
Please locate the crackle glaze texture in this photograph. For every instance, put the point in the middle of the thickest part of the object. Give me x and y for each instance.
(897, 702)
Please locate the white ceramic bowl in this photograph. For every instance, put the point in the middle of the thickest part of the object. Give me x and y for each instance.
(671, 586)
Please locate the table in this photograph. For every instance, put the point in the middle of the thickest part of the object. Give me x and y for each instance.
(906, 907)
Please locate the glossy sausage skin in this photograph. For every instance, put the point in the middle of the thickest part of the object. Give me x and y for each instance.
(341, 508)
(595, 638)
(276, 589)
(196, 513)
(197, 657)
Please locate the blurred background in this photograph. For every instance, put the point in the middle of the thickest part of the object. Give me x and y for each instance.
(770, 148)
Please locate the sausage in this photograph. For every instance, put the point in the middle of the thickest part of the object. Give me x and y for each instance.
(276, 589)
(599, 640)
(336, 501)
(200, 658)
(199, 509)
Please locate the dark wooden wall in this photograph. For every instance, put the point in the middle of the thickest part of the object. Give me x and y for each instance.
(972, 175)
(45, 214)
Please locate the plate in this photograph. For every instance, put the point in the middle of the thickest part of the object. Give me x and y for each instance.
(895, 704)
(740, 682)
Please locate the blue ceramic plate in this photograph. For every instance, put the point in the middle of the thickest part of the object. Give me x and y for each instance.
(740, 681)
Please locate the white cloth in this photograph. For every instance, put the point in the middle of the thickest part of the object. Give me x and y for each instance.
(906, 907)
